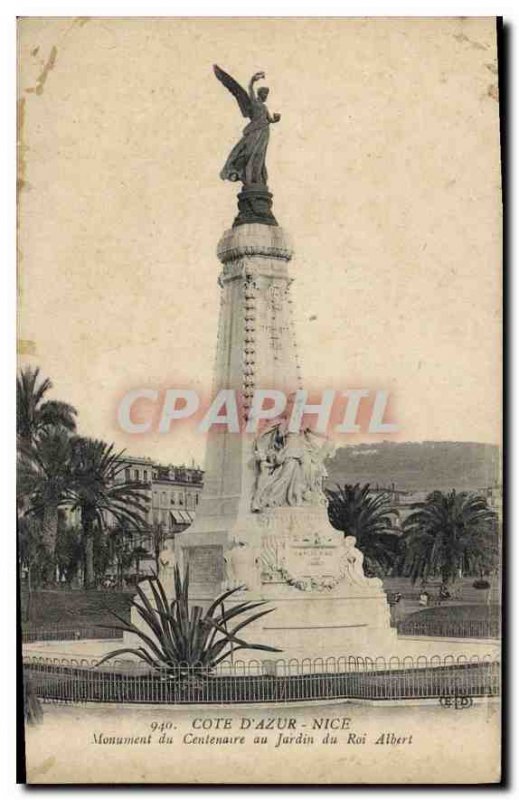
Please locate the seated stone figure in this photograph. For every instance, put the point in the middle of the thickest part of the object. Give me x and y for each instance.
(290, 467)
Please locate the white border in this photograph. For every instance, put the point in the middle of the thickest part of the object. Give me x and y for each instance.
(9, 10)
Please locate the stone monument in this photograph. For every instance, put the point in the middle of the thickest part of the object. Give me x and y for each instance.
(262, 521)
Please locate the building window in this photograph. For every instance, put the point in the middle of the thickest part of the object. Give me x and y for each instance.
(136, 474)
(145, 475)
(196, 499)
(180, 500)
(127, 474)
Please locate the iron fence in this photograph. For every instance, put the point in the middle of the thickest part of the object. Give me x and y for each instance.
(68, 634)
(475, 629)
(456, 629)
(79, 680)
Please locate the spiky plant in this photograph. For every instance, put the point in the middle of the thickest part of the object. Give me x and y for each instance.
(183, 637)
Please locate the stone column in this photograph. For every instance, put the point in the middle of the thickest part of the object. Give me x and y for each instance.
(281, 547)
(255, 349)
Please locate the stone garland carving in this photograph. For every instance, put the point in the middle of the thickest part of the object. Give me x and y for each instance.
(349, 568)
(290, 304)
(272, 559)
(249, 341)
(275, 298)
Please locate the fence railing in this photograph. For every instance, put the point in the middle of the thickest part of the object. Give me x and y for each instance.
(456, 629)
(475, 629)
(68, 634)
(73, 680)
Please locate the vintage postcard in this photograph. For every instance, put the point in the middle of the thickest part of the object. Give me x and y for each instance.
(259, 400)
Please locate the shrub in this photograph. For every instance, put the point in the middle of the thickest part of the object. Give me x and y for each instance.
(184, 636)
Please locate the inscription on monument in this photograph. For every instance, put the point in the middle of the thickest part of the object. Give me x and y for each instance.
(205, 563)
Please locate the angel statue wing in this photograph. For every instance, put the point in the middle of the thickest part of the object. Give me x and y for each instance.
(235, 89)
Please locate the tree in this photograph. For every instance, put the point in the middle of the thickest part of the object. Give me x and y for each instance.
(370, 518)
(34, 414)
(42, 427)
(97, 495)
(44, 480)
(450, 534)
(68, 549)
(31, 552)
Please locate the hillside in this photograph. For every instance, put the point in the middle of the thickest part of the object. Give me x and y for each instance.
(417, 466)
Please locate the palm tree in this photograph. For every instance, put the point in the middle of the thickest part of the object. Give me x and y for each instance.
(370, 517)
(42, 428)
(34, 414)
(31, 553)
(450, 534)
(97, 495)
(44, 480)
(68, 549)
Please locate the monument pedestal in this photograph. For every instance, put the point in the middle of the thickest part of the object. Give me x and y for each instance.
(310, 575)
(262, 521)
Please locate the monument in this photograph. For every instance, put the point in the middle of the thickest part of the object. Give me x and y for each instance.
(262, 521)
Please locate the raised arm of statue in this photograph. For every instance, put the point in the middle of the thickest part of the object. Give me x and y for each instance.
(246, 161)
(258, 76)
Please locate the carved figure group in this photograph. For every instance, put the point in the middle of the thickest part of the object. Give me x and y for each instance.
(289, 467)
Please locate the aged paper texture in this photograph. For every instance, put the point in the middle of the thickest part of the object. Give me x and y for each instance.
(264, 485)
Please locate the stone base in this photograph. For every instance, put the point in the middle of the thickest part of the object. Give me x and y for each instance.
(255, 206)
(310, 575)
(321, 627)
(311, 627)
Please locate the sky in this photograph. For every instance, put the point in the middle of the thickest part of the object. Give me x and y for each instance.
(385, 173)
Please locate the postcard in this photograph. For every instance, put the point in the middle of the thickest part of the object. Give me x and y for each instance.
(259, 400)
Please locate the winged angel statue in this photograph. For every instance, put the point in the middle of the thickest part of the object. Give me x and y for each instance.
(246, 161)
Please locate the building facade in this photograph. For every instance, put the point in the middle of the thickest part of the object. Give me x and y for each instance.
(173, 494)
(173, 491)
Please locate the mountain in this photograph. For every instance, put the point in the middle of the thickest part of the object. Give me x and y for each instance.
(417, 466)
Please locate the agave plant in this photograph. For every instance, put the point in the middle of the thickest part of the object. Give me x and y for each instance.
(181, 637)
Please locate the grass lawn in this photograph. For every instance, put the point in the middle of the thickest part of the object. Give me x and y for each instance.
(48, 609)
(462, 594)
(463, 613)
(475, 621)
